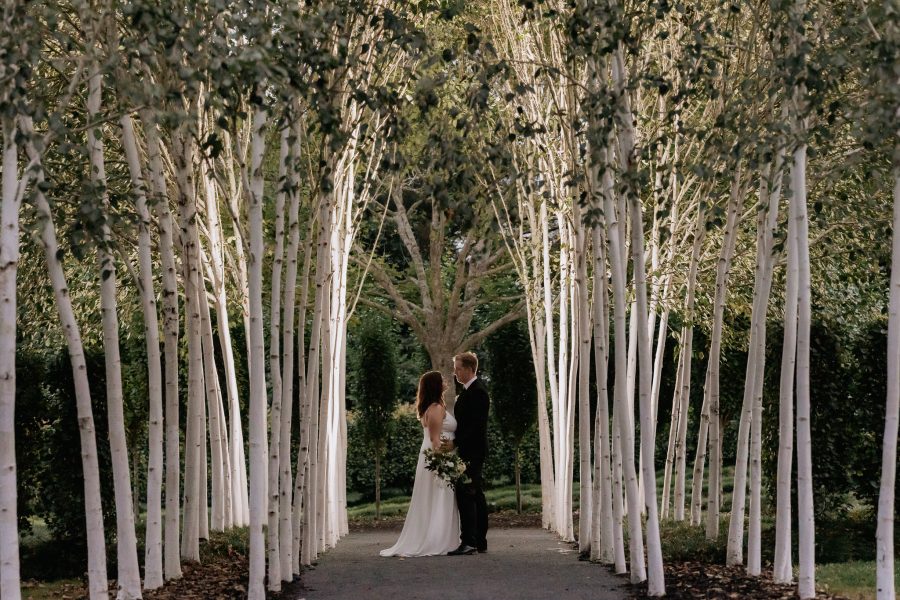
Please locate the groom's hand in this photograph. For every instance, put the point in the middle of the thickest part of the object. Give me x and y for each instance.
(447, 446)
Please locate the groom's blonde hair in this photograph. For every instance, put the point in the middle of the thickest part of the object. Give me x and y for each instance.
(468, 360)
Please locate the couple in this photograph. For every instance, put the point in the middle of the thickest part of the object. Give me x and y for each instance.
(440, 521)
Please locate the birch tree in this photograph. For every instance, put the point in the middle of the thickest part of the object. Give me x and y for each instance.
(97, 583)
(129, 576)
(14, 183)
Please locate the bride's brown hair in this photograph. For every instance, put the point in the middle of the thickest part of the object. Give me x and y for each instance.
(431, 391)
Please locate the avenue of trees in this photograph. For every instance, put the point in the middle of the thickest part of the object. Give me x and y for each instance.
(199, 200)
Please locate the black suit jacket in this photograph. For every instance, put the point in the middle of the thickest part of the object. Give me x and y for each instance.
(471, 413)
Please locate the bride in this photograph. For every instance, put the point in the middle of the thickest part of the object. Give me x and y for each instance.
(432, 521)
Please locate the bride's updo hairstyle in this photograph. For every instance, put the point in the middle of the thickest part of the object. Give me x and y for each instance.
(431, 391)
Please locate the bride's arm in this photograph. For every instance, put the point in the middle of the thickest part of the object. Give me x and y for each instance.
(434, 418)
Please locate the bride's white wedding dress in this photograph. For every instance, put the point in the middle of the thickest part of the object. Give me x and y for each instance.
(432, 521)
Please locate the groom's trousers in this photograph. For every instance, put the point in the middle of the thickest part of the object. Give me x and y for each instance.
(473, 514)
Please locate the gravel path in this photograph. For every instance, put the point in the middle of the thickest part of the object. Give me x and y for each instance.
(522, 564)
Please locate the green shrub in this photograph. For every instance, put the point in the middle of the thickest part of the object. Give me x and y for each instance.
(398, 468)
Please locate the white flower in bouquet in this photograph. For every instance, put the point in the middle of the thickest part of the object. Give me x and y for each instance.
(447, 466)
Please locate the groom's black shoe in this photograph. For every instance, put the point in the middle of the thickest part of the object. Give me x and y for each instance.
(463, 549)
(482, 549)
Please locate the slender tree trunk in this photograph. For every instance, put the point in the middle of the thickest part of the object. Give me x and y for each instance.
(195, 438)
(285, 484)
(377, 486)
(884, 565)
(656, 583)
(153, 560)
(172, 558)
(585, 501)
(712, 390)
(603, 543)
(97, 583)
(687, 340)
(300, 479)
(768, 199)
(129, 579)
(218, 444)
(274, 500)
(805, 518)
(237, 475)
(10, 581)
(626, 441)
(258, 442)
(782, 569)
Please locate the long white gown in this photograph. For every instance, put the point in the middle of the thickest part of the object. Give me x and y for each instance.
(432, 521)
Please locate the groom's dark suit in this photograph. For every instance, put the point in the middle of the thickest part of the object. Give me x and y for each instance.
(471, 413)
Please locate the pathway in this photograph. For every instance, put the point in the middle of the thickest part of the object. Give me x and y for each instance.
(522, 564)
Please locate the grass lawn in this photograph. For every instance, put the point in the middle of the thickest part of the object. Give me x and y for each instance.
(854, 579)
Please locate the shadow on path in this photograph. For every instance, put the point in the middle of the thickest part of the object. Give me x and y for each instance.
(522, 564)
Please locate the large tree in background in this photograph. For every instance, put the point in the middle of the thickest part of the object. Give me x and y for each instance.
(447, 264)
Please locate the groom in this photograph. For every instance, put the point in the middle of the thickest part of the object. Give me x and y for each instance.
(471, 413)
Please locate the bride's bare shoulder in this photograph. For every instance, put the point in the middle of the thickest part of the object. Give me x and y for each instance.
(435, 411)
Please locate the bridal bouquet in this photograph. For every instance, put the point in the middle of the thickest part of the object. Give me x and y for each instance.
(448, 466)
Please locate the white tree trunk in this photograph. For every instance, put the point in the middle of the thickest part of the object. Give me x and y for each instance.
(769, 218)
(723, 268)
(583, 324)
(218, 444)
(684, 392)
(603, 543)
(303, 406)
(656, 582)
(258, 442)
(285, 483)
(274, 500)
(172, 557)
(195, 438)
(884, 566)
(237, 476)
(783, 571)
(625, 425)
(805, 519)
(97, 583)
(10, 580)
(153, 558)
(129, 579)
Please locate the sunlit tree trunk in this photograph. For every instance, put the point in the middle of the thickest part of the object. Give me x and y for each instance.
(218, 443)
(602, 543)
(153, 558)
(237, 476)
(723, 268)
(258, 442)
(583, 324)
(770, 192)
(625, 426)
(195, 440)
(97, 583)
(783, 570)
(300, 478)
(129, 580)
(10, 581)
(286, 482)
(274, 500)
(656, 582)
(172, 557)
(884, 557)
(805, 518)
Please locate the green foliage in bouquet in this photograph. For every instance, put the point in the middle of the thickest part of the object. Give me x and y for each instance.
(448, 466)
